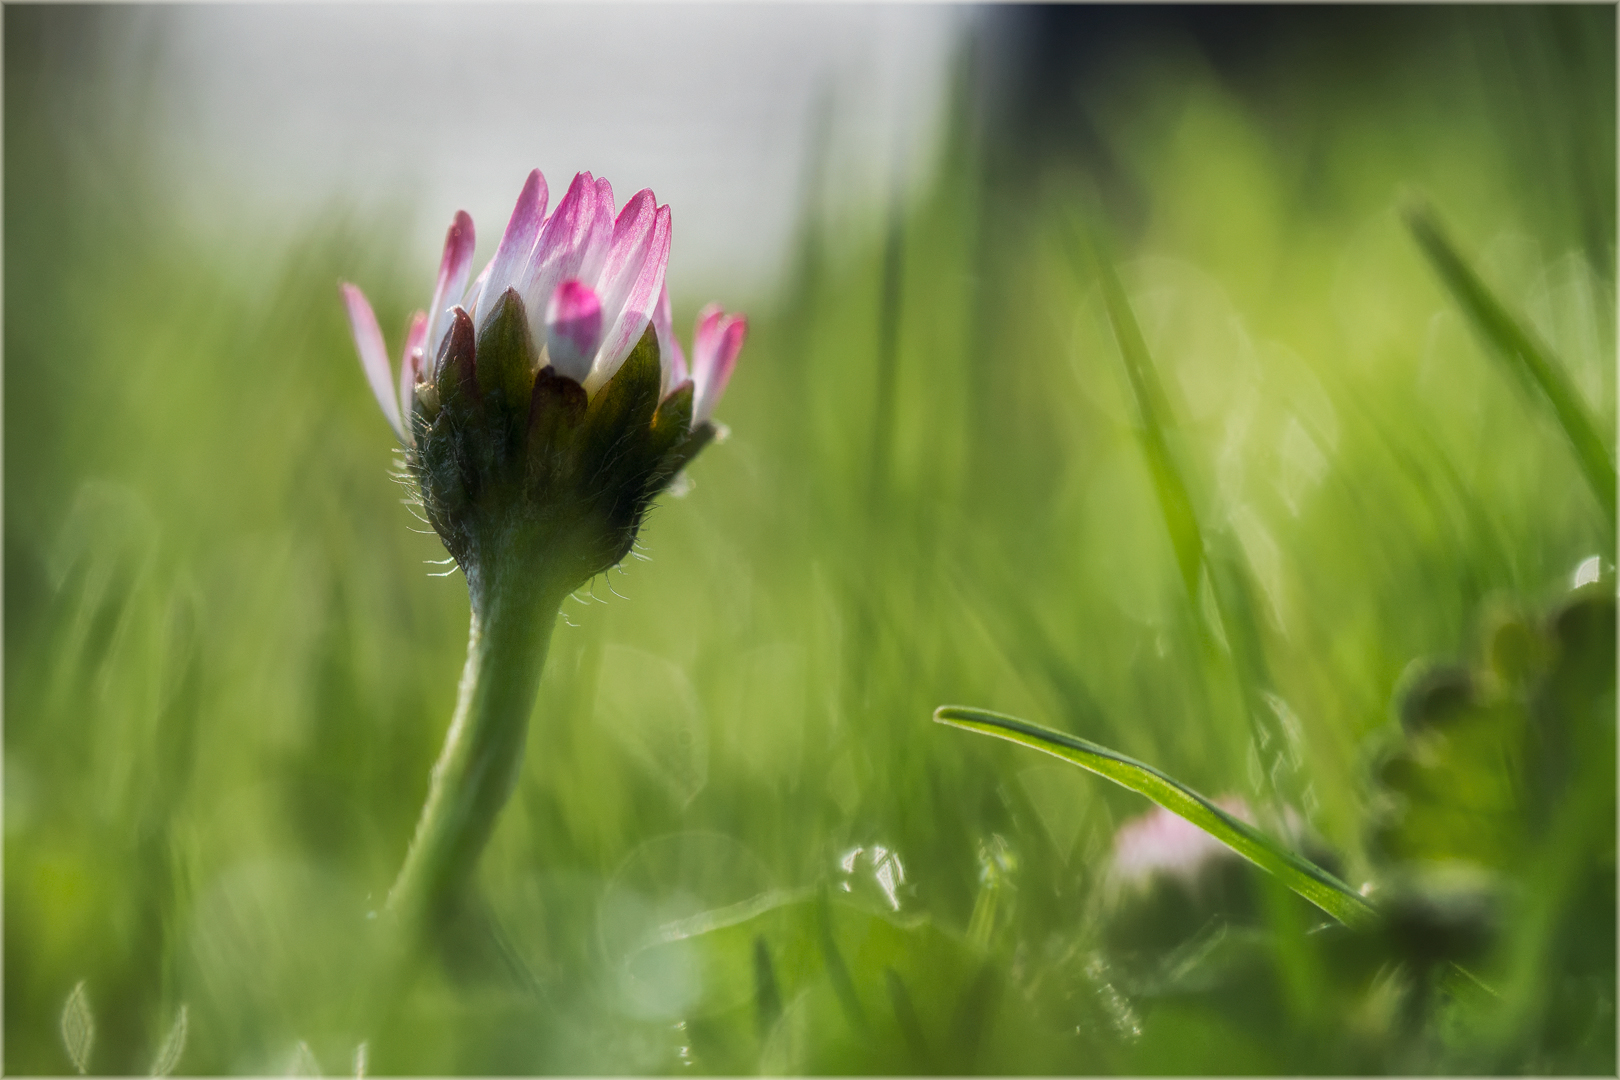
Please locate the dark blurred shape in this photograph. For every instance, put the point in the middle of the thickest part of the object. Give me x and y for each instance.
(1513, 648)
(1058, 64)
(1582, 629)
(1435, 697)
(1499, 803)
(767, 995)
(905, 1014)
(1166, 911)
(1450, 915)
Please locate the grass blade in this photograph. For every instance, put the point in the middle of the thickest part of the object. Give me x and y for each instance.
(1305, 878)
(905, 1014)
(1197, 552)
(1521, 350)
(767, 994)
(837, 970)
(1153, 410)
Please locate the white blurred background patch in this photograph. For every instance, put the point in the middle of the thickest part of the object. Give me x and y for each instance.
(275, 112)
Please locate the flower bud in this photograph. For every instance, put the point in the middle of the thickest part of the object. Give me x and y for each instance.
(549, 452)
(538, 448)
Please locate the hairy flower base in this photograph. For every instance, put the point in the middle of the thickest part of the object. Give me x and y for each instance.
(519, 467)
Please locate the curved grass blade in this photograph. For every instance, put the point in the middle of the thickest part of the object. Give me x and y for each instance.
(1154, 425)
(1520, 349)
(1305, 878)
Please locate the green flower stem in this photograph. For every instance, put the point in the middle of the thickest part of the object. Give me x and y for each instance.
(513, 612)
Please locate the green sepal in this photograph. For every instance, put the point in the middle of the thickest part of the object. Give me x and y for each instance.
(671, 426)
(439, 468)
(683, 453)
(672, 435)
(557, 407)
(572, 473)
(425, 404)
(444, 455)
(506, 357)
(618, 417)
(457, 378)
(613, 467)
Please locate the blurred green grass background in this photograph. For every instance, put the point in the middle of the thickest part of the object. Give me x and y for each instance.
(228, 671)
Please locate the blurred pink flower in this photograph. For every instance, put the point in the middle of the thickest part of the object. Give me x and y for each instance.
(590, 279)
(1162, 843)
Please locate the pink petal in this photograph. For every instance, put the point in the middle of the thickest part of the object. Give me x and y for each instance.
(715, 345)
(632, 235)
(410, 367)
(596, 252)
(474, 291)
(566, 242)
(517, 243)
(571, 221)
(1160, 842)
(706, 334)
(453, 270)
(573, 328)
(669, 347)
(373, 353)
(641, 281)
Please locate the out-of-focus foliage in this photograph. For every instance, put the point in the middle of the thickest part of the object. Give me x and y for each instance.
(738, 844)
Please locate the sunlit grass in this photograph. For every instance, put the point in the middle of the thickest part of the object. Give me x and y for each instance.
(228, 671)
